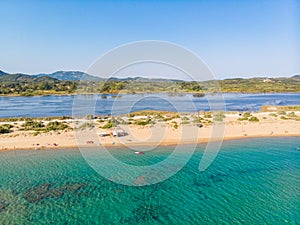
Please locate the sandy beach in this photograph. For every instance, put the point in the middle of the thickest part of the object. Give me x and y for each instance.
(161, 133)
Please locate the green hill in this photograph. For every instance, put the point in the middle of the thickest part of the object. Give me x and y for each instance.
(2, 73)
(24, 78)
(70, 75)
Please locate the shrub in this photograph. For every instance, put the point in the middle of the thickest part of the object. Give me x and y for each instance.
(284, 118)
(86, 126)
(292, 114)
(36, 133)
(107, 126)
(121, 121)
(26, 94)
(143, 122)
(198, 120)
(167, 119)
(9, 119)
(207, 115)
(273, 114)
(5, 128)
(159, 116)
(281, 113)
(110, 124)
(49, 118)
(55, 125)
(175, 125)
(33, 125)
(253, 119)
(219, 116)
(247, 114)
(185, 122)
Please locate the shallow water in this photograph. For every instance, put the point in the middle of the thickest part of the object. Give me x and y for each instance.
(252, 181)
(43, 106)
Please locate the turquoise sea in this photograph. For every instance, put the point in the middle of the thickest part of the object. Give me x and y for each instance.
(252, 181)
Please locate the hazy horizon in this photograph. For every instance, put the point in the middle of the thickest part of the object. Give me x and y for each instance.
(126, 75)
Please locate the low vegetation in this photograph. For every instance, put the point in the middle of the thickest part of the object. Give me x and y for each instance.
(56, 126)
(253, 119)
(5, 128)
(110, 124)
(49, 118)
(33, 125)
(40, 126)
(87, 125)
(143, 122)
(219, 116)
(247, 116)
(273, 114)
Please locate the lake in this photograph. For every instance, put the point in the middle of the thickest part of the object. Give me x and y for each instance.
(42, 106)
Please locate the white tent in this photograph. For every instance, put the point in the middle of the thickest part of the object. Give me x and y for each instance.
(118, 133)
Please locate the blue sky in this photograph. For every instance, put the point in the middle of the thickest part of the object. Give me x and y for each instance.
(235, 38)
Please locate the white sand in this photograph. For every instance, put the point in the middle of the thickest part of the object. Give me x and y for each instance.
(159, 134)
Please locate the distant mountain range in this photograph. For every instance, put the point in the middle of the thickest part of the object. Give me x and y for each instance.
(2, 73)
(71, 76)
(296, 76)
(59, 75)
(78, 75)
(4, 77)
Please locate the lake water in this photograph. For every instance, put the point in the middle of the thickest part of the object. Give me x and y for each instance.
(41, 106)
(252, 181)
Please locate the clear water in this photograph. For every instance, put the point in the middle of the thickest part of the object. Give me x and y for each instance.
(42, 106)
(253, 181)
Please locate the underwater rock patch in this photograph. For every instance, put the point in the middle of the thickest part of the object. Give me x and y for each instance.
(38, 193)
(72, 187)
(145, 213)
(43, 191)
(3, 205)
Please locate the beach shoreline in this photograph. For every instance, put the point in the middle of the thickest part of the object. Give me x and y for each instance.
(163, 144)
(171, 129)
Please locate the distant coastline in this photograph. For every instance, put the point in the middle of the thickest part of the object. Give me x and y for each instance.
(138, 93)
(74, 82)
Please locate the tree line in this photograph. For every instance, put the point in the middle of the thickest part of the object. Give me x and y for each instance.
(54, 86)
